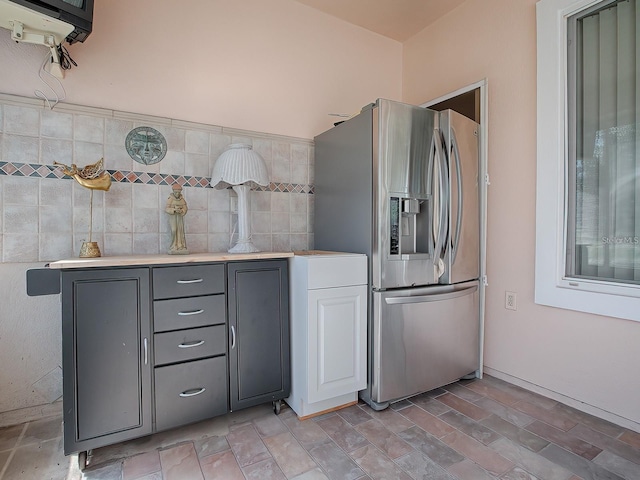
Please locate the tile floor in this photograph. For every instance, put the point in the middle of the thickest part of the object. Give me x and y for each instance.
(470, 430)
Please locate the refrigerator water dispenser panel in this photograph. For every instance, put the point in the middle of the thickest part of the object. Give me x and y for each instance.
(409, 228)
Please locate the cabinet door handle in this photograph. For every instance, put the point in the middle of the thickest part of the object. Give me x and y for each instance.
(193, 312)
(233, 337)
(195, 280)
(146, 351)
(195, 343)
(193, 392)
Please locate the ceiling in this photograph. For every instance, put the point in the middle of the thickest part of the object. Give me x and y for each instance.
(396, 19)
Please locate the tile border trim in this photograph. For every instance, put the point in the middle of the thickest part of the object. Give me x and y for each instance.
(36, 170)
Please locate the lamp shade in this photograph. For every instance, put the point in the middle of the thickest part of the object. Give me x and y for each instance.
(239, 165)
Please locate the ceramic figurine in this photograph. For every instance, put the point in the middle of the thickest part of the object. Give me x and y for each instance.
(177, 209)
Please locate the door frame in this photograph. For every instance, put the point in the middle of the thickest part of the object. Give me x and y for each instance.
(483, 184)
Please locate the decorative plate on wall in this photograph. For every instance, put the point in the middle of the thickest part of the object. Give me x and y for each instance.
(146, 145)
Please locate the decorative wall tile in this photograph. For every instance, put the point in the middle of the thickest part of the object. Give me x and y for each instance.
(175, 137)
(174, 162)
(20, 149)
(20, 247)
(55, 192)
(197, 242)
(280, 222)
(20, 191)
(218, 143)
(81, 221)
(280, 202)
(145, 243)
(281, 242)
(56, 150)
(118, 243)
(218, 222)
(88, 129)
(82, 196)
(21, 120)
(56, 125)
(196, 164)
(117, 158)
(145, 196)
(146, 220)
(197, 198)
(118, 220)
(219, 200)
(45, 214)
(85, 153)
(219, 242)
(197, 142)
(260, 222)
(119, 196)
(54, 246)
(55, 219)
(298, 203)
(260, 201)
(116, 131)
(20, 219)
(298, 223)
(300, 242)
(299, 173)
(196, 221)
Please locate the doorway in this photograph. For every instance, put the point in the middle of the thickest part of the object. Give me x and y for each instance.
(472, 102)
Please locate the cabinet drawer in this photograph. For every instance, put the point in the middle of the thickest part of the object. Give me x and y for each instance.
(191, 344)
(182, 313)
(188, 280)
(189, 392)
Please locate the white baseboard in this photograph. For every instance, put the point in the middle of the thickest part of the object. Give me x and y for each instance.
(577, 404)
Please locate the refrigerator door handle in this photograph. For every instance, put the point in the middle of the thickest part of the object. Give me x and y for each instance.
(456, 156)
(430, 298)
(441, 200)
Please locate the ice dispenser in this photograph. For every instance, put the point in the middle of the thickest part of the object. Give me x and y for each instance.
(409, 235)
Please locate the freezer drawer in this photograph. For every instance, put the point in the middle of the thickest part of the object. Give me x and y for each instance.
(423, 339)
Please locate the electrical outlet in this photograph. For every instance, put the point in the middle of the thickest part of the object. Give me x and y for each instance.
(511, 300)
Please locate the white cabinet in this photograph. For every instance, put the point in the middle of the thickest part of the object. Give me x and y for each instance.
(328, 295)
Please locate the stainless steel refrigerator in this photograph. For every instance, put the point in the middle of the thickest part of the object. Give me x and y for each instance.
(400, 183)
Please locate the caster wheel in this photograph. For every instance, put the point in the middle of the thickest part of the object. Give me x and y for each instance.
(277, 405)
(82, 461)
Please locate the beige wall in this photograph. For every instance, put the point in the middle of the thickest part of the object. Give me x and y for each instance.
(265, 67)
(588, 358)
(269, 66)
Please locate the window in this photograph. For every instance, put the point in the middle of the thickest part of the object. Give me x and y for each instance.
(588, 181)
(603, 227)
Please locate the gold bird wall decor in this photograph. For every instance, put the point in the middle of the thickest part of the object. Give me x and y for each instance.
(92, 176)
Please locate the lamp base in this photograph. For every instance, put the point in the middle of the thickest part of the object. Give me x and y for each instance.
(244, 246)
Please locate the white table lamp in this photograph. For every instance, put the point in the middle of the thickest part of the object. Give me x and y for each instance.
(242, 169)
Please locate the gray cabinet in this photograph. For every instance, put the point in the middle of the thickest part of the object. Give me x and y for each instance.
(259, 368)
(146, 348)
(106, 330)
(190, 344)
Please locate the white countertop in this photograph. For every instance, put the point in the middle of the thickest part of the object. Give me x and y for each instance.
(126, 260)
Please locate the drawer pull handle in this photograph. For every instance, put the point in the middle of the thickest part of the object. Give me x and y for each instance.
(193, 312)
(193, 392)
(195, 343)
(195, 280)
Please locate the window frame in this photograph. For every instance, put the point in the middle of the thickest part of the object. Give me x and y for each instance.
(552, 286)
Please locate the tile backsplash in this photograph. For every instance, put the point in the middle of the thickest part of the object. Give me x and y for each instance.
(45, 215)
